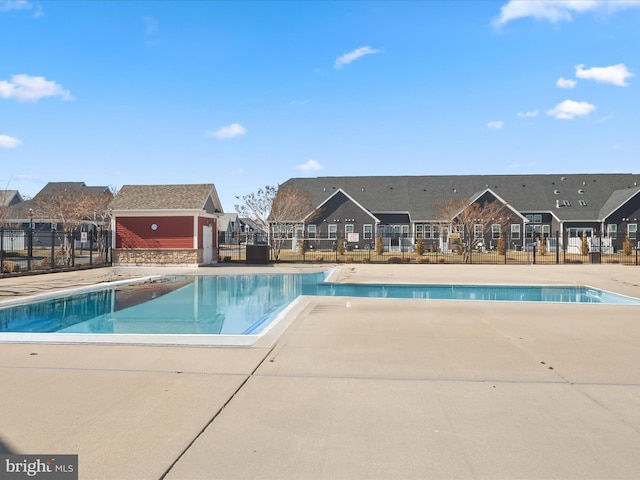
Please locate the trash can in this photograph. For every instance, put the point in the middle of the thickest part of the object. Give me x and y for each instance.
(595, 257)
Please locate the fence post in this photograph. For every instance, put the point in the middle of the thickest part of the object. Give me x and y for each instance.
(29, 248)
(52, 263)
(73, 250)
(1, 250)
(91, 246)
(557, 247)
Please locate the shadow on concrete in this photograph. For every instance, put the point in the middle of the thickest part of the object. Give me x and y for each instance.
(4, 448)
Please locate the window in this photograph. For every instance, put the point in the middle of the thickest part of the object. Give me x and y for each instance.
(495, 231)
(612, 229)
(528, 231)
(546, 229)
(396, 231)
(311, 231)
(367, 230)
(477, 230)
(289, 231)
(405, 231)
(347, 230)
(632, 230)
(515, 231)
(333, 231)
(419, 231)
(537, 219)
(530, 218)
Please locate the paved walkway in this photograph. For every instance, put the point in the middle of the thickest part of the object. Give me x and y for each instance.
(354, 389)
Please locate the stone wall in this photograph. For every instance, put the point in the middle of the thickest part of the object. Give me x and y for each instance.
(143, 256)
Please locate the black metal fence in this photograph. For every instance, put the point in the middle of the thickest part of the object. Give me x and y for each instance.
(26, 250)
(555, 249)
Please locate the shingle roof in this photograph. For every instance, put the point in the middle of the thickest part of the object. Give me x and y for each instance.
(9, 197)
(20, 211)
(165, 197)
(418, 195)
(52, 187)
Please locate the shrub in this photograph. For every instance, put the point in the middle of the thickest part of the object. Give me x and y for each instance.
(340, 246)
(423, 260)
(394, 260)
(584, 247)
(379, 246)
(319, 258)
(501, 247)
(10, 267)
(302, 247)
(441, 260)
(627, 247)
(419, 247)
(543, 245)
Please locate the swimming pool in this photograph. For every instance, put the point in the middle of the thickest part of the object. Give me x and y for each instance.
(235, 306)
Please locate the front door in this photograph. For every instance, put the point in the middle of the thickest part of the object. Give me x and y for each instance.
(207, 244)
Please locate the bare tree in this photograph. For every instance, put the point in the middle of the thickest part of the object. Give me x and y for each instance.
(470, 219)
(71, 208)
(277, 210)
(4, 208)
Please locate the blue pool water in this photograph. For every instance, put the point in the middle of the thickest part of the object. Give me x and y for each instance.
(237, 305)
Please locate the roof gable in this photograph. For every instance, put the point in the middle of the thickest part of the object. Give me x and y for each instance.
(617, 200)
(339, 191)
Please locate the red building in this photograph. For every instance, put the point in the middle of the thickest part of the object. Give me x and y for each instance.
(165, 225)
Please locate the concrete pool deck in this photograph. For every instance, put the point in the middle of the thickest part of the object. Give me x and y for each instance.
(354, 388)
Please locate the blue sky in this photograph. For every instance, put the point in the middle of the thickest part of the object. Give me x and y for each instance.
(248, 94)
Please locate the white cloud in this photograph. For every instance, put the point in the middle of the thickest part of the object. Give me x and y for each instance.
(614, 74)
(347, 58)
(26, 88)
(8, 5)
(229, 131)
(14, 5)
(310, 165)
(570, 109)
(533, 113)
(8, 142)
(497, 125)
(566, 83)
(558, 10)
